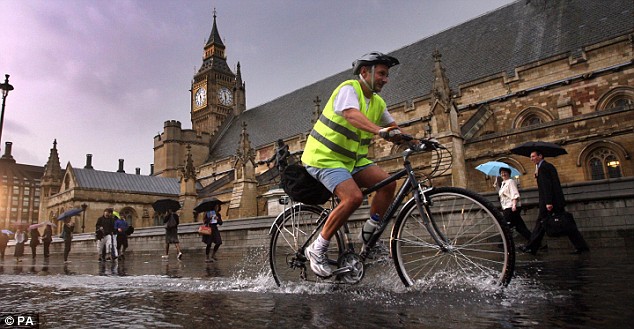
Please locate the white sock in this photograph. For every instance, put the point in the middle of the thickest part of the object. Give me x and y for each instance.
(321, 244)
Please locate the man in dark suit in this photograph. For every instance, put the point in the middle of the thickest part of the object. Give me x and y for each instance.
(551, 199)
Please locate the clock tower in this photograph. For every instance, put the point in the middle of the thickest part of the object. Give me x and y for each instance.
(212, 93)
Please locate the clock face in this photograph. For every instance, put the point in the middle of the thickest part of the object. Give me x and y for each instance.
(200, 97)
(225, 96)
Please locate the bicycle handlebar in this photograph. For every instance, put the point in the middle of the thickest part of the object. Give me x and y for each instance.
(419, 145)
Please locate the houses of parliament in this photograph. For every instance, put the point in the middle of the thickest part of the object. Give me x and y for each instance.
(560, 71)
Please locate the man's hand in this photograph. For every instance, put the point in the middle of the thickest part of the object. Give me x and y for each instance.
(389, 133)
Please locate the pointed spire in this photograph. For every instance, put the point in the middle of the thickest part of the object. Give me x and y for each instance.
(214, 37)
(53, 168)
(188, 171)
(238, 84)
(440, 89)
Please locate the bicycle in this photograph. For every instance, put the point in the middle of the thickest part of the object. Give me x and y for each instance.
(437, 231)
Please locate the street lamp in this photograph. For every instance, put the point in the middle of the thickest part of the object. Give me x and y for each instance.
(83, 219)
(6, 88)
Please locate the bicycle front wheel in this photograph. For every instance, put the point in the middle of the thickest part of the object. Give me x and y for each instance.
(474, 242)
(293, 230)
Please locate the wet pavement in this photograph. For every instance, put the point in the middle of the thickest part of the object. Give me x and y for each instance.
(552, 290)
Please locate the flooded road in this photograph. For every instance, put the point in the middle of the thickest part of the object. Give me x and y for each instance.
(553, 290)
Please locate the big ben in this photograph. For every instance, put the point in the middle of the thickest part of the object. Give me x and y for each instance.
(213, 87)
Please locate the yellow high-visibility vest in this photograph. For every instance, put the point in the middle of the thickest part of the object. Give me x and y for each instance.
(334, 142)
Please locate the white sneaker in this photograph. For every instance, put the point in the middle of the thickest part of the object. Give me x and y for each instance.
(318, 261)
(165, 258)
(180, 255)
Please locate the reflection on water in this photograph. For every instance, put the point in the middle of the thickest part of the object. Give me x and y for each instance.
(144, 292)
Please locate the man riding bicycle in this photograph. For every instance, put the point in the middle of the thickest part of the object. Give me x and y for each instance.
(337, 148)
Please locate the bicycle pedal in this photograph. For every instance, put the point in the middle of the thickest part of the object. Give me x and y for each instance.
(342, 270)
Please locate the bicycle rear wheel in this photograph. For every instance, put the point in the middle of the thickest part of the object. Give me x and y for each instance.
(475, 244)
(289, 233)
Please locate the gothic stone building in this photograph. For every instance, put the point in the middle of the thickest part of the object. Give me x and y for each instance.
(560, 71)
(557, 71)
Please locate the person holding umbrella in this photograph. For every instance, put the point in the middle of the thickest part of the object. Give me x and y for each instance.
(20, 240)
(171, 222)
(213, 219)
(551, 200)
(67, 236)
(509, 199)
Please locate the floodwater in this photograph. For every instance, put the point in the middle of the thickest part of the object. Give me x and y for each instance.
(552, 290)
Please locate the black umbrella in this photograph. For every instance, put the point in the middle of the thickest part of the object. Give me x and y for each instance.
(545, 148)
(70, 213)
(207, 205)
(164, 205)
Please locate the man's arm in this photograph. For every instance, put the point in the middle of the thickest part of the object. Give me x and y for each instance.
(358, 120)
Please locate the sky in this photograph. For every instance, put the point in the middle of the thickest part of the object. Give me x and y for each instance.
(102, 76)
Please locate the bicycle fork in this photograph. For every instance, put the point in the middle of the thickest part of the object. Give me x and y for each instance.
(422, 203)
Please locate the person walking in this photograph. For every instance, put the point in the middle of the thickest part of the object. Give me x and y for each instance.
(551, 200)
(171, 222)
(35, 241)
(4, 240)
(120, 229)
(212, 219)
(67, 236)
(337, 148)
(104, 230)
(510, 199)
(20, 240)
(47, 238)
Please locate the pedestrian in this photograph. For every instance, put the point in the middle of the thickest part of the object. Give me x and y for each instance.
(103, 232)
(510, 201)
(171, 222)
(4, 240)
(551, 200)
(47, 238)
(67, 236)
(120, 229)
(35, 241)
(212, 219)
(20, 239)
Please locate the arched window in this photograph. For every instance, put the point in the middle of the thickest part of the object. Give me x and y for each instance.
(604, 163)
(532, 120)
(532, 116)
(616, 98)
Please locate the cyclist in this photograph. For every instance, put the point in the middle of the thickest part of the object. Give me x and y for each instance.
(337, 148)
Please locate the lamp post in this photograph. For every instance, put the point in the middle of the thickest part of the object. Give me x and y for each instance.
(6, 88)
(83, 218)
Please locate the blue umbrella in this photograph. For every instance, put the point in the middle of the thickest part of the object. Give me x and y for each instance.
(70, 213)
(7, 232)
(492, 168)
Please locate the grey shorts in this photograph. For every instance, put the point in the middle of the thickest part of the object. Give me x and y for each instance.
(332, 177)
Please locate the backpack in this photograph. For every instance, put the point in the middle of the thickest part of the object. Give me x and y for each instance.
(302, 187)
(171, 222)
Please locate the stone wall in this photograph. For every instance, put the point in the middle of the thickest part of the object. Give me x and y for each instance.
(603, 210)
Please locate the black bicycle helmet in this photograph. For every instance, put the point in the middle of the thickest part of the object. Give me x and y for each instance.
(373, 58)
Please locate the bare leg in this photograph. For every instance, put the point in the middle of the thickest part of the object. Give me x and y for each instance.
(351, 198)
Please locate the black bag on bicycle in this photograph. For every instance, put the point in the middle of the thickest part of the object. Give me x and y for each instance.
(302, 187)
(559, 224)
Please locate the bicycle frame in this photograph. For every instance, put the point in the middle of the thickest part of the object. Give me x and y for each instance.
(410, 184)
